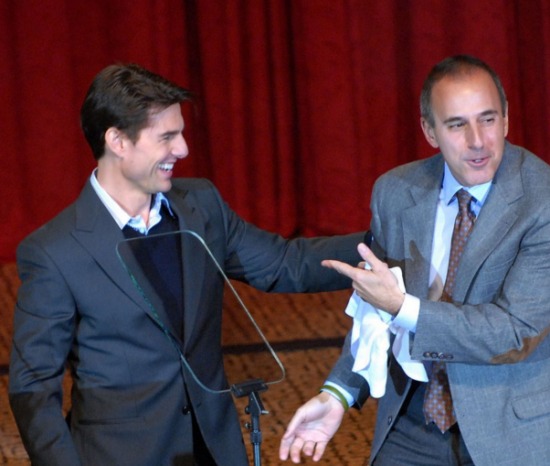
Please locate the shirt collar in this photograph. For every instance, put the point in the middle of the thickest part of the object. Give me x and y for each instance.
(121, 217)
(451, 186)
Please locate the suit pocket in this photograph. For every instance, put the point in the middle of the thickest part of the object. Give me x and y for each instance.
(532, 405)
(103, 406)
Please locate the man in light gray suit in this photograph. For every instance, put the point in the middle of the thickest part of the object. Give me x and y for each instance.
(492, 332)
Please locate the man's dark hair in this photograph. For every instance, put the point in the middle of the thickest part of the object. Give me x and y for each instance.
(124, 96)
(456, 66)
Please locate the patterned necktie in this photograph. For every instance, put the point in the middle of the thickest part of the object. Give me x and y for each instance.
(438, 405)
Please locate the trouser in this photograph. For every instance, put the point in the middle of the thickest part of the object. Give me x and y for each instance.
(412, 442)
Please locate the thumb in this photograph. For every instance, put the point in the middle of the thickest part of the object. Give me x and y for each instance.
(366, 253)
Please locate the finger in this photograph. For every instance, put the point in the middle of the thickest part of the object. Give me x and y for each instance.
(295, 449)
(289, 440)
(364, 265)
(340, 267)
(308, 448)
(319, 450)
(288, 437)
(284, 448)
(367, 255)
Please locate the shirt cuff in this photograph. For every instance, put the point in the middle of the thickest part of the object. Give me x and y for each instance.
(407, 317)
(345, 394)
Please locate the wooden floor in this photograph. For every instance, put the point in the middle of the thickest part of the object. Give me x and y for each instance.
(305, 330)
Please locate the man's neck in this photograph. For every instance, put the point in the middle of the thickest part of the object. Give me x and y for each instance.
(128, 197)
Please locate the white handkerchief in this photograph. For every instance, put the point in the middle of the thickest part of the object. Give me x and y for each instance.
(370, 341)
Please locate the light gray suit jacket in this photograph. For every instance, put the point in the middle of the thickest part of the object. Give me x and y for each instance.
(494, 336)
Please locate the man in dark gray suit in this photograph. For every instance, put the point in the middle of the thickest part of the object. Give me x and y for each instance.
(133, 401)
(491, 332)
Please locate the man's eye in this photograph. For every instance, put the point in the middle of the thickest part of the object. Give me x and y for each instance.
(488, 121)
(457, 125)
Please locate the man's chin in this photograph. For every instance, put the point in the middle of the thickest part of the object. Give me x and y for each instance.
(476, 178)
(164, 187)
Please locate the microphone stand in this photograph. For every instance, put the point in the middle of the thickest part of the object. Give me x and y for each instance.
(255, 408)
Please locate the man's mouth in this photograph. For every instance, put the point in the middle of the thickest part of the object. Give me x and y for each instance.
(167, 167)
(478, 161)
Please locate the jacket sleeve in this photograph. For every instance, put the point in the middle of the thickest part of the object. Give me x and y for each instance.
(270, 262)
(343, 376)
(44, 323)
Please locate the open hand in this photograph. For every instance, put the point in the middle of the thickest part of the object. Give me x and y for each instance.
(311, 428)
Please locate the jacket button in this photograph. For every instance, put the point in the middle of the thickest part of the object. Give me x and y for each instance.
(390, 419)
(186, 410)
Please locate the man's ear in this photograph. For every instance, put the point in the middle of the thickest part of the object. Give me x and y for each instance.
(429, 133)
(506, 121)
(115, 141)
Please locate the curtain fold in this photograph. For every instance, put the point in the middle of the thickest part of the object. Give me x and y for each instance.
(300, 105)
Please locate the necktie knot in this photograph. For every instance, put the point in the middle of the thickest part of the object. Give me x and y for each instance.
(464, 201)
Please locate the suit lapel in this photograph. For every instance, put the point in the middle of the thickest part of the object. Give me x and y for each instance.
(194, 256)
(418, 227)
(418, 223)
(99, 234)
(494, 222)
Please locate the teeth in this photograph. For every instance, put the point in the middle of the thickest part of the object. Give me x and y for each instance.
(166, 166)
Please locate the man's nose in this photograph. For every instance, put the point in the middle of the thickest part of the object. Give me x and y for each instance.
(474, 137)
(180, 149)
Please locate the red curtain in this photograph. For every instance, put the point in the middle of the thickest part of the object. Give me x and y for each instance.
(301, 104)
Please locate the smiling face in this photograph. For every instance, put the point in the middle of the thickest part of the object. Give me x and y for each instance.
(131, 171)
(469, 126)
(147, 165)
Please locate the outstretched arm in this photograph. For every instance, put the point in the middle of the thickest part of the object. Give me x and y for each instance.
(311, 428)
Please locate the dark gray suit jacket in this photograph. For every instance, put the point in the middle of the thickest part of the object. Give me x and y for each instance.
(131, 395)
(494, 336)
